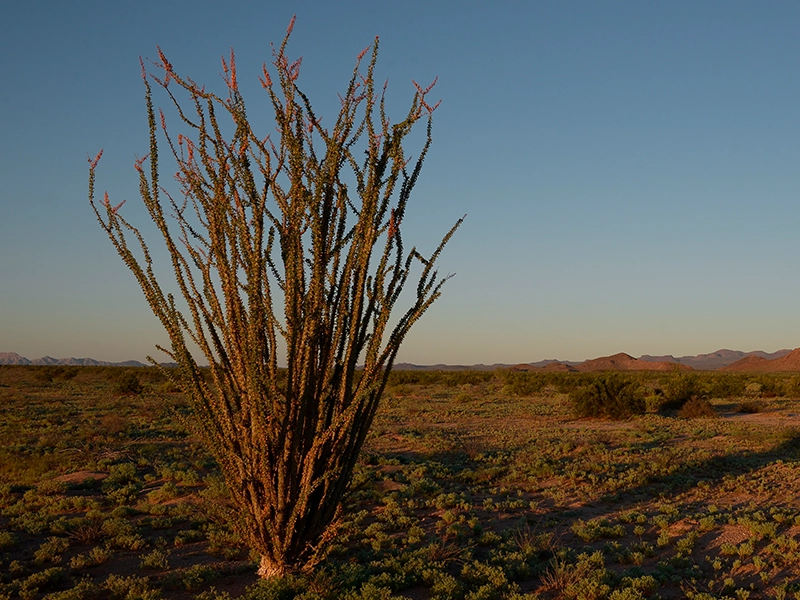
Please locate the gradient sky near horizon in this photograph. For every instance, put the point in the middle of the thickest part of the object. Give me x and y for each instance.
(630, 171)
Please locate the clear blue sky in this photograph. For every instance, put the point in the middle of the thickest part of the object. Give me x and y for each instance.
(630, 170)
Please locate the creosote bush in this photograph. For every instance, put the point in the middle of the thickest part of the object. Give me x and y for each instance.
(697, 408)
(679, 389)
(129, 385)
(611, 395)
(727, 385)
(294, 242)
(523, 384)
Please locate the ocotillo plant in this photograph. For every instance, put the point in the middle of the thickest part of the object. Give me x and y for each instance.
(303, 221)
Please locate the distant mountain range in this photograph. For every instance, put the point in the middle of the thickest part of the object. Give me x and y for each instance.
(716, 360)
(727, 360)
(787, 362)
(12, 358)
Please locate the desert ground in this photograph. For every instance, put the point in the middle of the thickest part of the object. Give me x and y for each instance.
(473, 485)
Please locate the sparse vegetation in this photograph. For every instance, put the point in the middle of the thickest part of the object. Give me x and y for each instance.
(496, 496)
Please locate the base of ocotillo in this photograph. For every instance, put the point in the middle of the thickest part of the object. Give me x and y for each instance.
(268, 568)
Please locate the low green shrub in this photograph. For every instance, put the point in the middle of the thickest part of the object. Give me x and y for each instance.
(120, 474)
(611, 395)
(198, 575)
(771, 386)
(791, 387)
(51, 487)
(725, 385)
(277, 588)
(595, 529)
(680, 389)
(96, 556)
(51, 550)
(7, 540)
(188, 536)
(128, 541)
(168, 491)
(121, 588)
(40, 580)
(129, 385)
(47, 373)
(157, 559)
(520, 383)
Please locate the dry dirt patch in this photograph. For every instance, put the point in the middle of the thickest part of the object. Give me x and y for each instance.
(79, 477)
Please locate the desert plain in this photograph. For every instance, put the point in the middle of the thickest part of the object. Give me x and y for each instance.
(523, 482)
